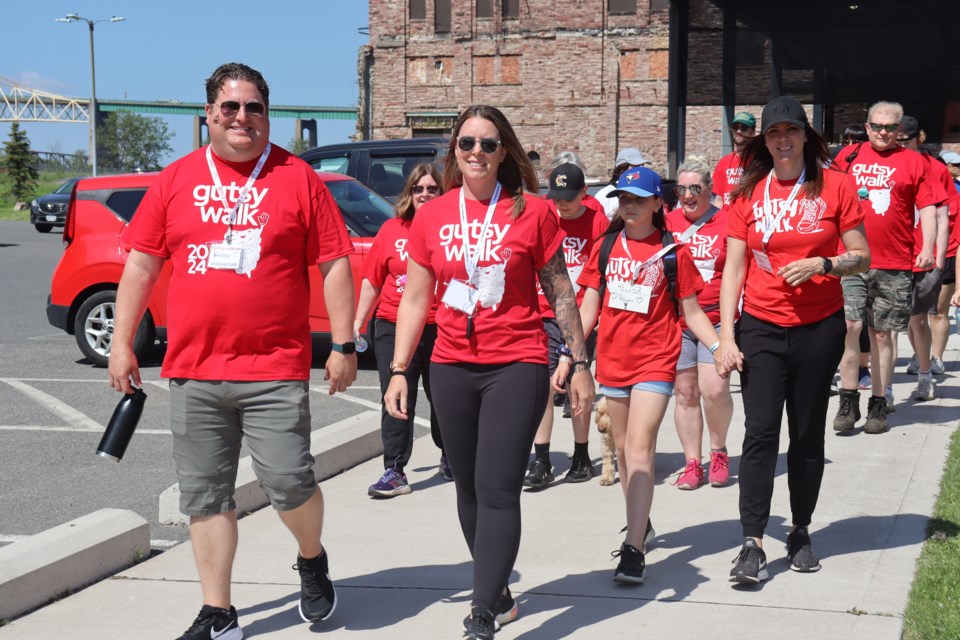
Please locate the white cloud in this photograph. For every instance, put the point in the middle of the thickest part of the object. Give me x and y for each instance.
(34, 80)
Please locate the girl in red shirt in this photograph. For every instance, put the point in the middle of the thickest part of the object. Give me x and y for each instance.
(638, 343)
(787, 214)
(384, 277)
(480, 249)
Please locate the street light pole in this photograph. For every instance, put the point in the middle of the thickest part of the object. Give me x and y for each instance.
(72, 17)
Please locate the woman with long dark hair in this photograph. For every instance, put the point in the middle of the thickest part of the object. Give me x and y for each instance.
(788, 216)
(384, 278)
(480, 249)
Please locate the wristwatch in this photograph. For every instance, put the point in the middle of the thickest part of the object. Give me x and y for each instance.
(346, 348)
(827, 265)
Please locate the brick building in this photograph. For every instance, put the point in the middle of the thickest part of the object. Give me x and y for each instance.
(595, 76)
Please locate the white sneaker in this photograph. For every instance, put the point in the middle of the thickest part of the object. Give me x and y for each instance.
(936, 366)
(914, 367)
(888, 394)
(926, 388)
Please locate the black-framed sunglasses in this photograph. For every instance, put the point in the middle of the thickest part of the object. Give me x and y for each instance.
(694, 189)
(741, 128)
(469, 143)
(877, 128)
(431, 189)
(230, 108)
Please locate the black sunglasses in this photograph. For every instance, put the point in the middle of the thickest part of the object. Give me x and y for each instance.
(469, 143)
(695, 189)
(432, 189)
(741, 128)
(877, 128)
(230, 108)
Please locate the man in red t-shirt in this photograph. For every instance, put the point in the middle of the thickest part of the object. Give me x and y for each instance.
(727, 175)
(940, 321)
(926, 282)
(893, 187)
(241, 222)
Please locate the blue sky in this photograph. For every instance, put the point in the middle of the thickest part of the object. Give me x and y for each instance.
(307, 51)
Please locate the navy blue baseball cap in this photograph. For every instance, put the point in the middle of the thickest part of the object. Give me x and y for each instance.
(639, 181)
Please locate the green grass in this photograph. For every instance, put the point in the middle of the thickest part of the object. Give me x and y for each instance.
(47, 183)
(933, 610)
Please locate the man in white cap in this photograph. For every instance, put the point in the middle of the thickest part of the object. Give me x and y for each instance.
(627, 159)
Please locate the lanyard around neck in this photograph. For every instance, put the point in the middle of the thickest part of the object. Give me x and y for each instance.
(649, 261)
(232, 213)
(469, 259)
(771, 227)
(697, 225)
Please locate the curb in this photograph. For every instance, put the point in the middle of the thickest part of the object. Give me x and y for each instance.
(35, 570)
(337, 447)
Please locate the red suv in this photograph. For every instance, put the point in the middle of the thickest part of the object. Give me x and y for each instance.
(84, 286)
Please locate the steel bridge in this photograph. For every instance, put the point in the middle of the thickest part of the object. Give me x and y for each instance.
(24, 104)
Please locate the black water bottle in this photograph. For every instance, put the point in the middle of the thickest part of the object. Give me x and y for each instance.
(122, 424)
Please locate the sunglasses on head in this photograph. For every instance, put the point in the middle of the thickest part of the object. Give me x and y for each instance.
(431, 189)
(230, 108)
(694, 189)
(877, 128)
(469, 143)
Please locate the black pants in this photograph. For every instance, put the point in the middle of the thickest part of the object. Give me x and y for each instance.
(489, 415)
(397, 434)
(792, 365)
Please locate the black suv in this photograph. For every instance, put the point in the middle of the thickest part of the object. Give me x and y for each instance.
(50, 210)
(382, 165)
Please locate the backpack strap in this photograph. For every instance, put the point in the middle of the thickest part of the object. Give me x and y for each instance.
(606, 246)
(670, 268)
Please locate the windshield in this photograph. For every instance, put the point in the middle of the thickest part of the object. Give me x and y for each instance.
(363, 210)
(67, 186)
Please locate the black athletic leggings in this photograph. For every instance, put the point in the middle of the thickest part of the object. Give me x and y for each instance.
(792, 366)
(489, 415)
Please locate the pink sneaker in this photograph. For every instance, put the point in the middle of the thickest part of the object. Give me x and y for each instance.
(692, 476)
(719, 468)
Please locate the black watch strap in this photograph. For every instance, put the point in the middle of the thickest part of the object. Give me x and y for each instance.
(827, 265)
(346, 348)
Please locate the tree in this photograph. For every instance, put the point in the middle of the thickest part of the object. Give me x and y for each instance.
(296, 147)
(20, 165)
(130, 142)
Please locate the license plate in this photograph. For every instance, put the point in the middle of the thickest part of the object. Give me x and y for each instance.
(51, 218)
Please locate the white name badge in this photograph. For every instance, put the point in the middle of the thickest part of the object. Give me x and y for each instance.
(225, 256)
(461, 296)
(763, 261)
(630, 297)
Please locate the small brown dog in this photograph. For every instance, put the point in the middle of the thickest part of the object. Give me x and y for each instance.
(609, 449)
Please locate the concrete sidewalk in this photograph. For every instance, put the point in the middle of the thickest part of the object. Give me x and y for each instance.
(402, 569)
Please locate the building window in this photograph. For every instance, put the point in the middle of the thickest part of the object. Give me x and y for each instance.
(418, 9)
(659, 5)
(497, 70)
(511, 8)
(484, 8)
(441, 22)
(622, 7)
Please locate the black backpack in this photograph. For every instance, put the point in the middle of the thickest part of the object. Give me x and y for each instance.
(669, 264)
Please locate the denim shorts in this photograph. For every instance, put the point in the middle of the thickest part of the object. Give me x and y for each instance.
(663, 388)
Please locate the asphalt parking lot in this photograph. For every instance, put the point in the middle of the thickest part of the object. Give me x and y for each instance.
(54, 405)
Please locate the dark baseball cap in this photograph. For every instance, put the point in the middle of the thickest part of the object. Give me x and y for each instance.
(783, 109)
(566, 182)
(909, 128)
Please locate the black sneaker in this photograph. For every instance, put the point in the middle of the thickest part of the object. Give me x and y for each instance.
(567, 409)
(214, 623)
(480, 625)
(751, 564)
(800, 552)
(558, 399)
(318, 598)
(632, 568)
(505, 610)
(539, 474)
(648, 534)
(580, 470)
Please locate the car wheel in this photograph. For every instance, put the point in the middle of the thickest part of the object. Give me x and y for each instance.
(43, 227)
(93, 329)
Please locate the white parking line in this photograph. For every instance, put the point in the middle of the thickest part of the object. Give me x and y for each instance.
(30, 427)
(5, 539)
(164, 544)
(364, 403)
(62, 409)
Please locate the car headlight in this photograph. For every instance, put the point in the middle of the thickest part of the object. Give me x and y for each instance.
(34, 205)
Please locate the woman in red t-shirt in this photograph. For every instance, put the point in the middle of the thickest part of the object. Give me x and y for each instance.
(788, 213)
(480, 249)
(638, 342)
(384, 277)
(701, 226)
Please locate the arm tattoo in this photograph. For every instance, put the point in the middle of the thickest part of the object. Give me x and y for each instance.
(848, 264)
(556, 285)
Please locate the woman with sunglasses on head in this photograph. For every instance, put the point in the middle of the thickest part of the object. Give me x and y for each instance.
(480, 249)
(384, 278)
(788, 216)
(703, 227)
(638, 341)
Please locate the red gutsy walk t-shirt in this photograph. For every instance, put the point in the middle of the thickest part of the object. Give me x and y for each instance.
(507, 326)
(708, 246)
(386, 268)
(726, 176)
(809, 228)
(942, 183)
